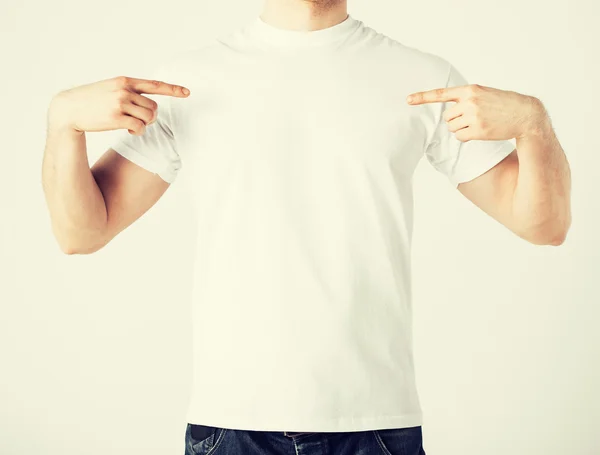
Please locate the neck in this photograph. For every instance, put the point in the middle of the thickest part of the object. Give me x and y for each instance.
(304, 15)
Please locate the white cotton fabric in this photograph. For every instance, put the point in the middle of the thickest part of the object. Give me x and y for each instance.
(298, 149)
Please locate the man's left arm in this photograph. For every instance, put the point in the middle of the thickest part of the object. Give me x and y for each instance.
(529, 191)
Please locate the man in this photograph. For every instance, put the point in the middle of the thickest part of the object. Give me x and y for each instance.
(299, 145)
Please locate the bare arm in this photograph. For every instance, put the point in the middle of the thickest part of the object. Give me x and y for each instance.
(77, 208)
(530, 192)
(89, 206)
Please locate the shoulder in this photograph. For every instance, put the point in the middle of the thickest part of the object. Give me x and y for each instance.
(428, 67)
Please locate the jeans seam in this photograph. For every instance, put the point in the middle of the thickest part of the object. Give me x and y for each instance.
(218, 441)
(381, 443)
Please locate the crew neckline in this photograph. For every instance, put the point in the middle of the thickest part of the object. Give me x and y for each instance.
(286, 37)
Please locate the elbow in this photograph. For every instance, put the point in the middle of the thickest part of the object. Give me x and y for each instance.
(558, 239)
(81, 250)
(73, 239)
(551, 233)
(561, 236)
(73, 250)
(68, 249)
(544, 238)
(72, 245)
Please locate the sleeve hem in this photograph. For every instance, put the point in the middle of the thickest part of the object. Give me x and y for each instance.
(482, 167)
(142, 161)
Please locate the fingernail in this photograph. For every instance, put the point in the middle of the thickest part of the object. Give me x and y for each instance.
(185, 91)
(410, 99)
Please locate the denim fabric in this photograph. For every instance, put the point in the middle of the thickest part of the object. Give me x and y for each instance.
(207, 440)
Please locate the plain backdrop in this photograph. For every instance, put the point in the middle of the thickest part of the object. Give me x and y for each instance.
(95, 351)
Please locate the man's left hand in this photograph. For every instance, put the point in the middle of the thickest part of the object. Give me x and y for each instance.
(486, 113)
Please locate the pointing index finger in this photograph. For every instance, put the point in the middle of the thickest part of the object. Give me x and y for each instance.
(157, 87)
(438, 95)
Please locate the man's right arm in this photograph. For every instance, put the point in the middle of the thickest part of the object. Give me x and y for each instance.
(89, 206)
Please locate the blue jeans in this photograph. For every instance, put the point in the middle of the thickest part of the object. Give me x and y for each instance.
(207, 440)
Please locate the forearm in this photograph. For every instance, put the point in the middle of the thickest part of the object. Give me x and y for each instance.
(75, 202)
(541, 199)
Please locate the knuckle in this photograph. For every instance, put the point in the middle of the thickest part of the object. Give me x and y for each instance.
(440, 92)
(475, 89)
(123, 97)
(122, 81)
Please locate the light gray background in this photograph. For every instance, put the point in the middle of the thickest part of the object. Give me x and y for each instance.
(95, 350)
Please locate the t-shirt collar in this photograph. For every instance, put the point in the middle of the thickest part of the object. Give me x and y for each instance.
(293, 38)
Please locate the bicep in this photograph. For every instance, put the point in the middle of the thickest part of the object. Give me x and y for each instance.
(492, 191)
(128, 190)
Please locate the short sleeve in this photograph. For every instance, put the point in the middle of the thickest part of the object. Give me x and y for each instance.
(461, 161)
(155, 150)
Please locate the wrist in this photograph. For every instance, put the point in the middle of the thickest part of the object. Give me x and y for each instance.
(59, 120)
(537, 122)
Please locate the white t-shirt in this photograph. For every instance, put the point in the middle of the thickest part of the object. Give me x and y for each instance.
(299, 149)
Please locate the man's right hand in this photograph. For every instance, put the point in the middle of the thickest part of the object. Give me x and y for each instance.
(110, 104)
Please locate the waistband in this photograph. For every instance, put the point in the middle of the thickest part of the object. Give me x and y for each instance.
(203, 431)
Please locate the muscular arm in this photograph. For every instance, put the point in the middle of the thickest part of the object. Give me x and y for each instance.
(129, 190)
(90, 206)
(529, 192)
